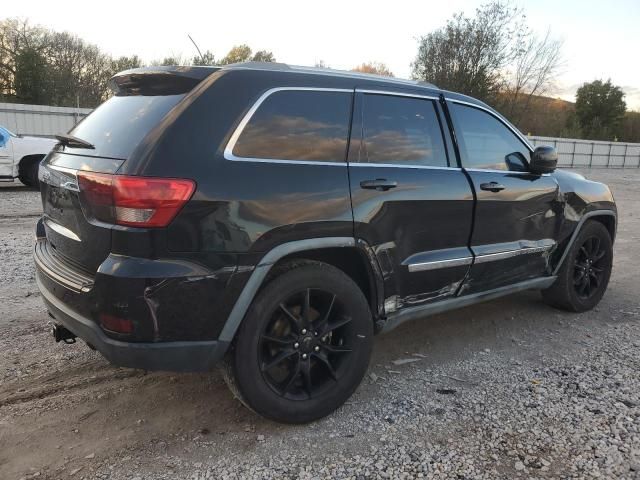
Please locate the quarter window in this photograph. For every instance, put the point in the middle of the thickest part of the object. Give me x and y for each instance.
(298, 125)
(401, 130)
(487, 143)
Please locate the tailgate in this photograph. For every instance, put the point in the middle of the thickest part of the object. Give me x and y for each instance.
(70, 235)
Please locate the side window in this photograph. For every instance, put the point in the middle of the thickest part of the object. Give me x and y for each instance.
(298, 125)
(401, 130)
(487, 142)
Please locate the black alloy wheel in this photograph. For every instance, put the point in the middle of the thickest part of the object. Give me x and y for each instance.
(306, 344)
(590, 268)
(584, 275)
(303, 346)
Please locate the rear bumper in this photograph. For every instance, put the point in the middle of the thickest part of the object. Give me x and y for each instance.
(189, 356)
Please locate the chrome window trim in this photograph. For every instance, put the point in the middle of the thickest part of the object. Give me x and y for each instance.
(228, 151)
(395, 93)
(401, 165)
(492, 170)
(497, 117)
(512, 129)
(435, 265)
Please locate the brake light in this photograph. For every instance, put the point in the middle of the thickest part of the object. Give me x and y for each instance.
(133, 201)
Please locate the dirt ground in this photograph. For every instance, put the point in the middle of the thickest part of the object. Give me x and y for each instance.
(502, 389)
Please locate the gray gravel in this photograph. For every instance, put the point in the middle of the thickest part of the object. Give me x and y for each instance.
(507, 389)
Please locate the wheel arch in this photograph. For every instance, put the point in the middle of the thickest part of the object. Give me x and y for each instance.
(26, 161)
(606, 217)
(353, 257)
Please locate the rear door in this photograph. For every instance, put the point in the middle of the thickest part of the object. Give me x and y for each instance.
(517, 213)
(411, 202)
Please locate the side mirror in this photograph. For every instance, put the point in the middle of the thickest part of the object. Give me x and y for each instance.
(543, 160)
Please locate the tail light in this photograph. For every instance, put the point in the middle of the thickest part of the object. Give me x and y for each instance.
(133, 201)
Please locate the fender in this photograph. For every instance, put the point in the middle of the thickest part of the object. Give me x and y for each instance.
(574, 235)
(262, 269)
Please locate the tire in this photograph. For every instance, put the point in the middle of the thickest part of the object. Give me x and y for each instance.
(29, 172)
(569, 292)
(280, 369)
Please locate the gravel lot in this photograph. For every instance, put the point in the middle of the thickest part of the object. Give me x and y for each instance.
(505, 389)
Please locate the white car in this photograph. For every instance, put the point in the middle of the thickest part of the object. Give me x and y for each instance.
(20, 156)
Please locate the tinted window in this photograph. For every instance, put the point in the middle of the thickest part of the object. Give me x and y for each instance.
(401, 130)
(298, 125)
(117, 126)
(487, 142)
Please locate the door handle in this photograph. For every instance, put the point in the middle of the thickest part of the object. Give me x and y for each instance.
(380, 184)
(492, 186)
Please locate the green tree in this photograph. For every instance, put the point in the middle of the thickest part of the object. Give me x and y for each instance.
(600, 109)
(263, 56)
(206, 59)
(31, 80)
(238, 54)
(121, 64)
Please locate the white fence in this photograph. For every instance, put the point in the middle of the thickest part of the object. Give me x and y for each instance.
(591, 153)
(39, 120)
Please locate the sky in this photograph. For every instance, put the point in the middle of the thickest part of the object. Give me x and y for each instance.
(600, 38)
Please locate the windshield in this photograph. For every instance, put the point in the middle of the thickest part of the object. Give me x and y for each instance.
(7, 132)
(117, 126)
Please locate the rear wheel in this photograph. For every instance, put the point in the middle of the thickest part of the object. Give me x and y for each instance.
(304, 345)
(584, 275)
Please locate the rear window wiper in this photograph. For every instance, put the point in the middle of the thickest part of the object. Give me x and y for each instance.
(73, 142)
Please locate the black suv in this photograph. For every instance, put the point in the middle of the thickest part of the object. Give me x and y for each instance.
(274, 218)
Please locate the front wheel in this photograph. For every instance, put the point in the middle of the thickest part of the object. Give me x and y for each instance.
(303, 346)
(584, 275)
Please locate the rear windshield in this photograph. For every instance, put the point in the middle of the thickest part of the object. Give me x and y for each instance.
(117, 126)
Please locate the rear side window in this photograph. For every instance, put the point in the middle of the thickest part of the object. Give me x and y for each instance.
(401, 130)
(117, 126)
(487, 142)
(298, 125)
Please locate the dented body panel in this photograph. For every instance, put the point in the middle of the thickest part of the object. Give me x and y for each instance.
(432, 241)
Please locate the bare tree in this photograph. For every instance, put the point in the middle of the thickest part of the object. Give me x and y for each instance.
(535, 65)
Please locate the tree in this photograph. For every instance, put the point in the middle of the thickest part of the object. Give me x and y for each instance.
(30, 81)
(207, 58)
(263, 56)
(243, 53)
(238, 54)
(468, 55)
(600, 108)
(376, 68)
(535, 64)
(492, 56)
(121, 64)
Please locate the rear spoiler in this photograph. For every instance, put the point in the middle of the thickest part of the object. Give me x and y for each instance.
(171, 80)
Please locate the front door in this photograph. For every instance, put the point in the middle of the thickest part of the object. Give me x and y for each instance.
(517, 212)
(411, 202)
